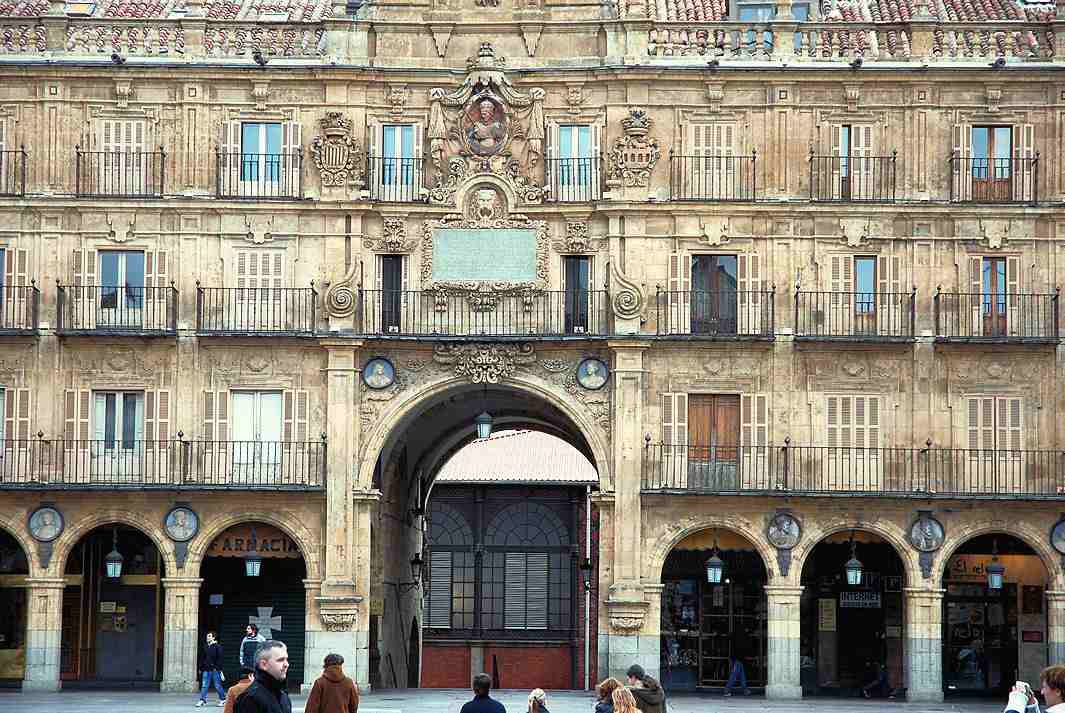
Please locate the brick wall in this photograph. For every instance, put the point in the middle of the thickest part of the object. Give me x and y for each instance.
(445, 666)
(531, 666)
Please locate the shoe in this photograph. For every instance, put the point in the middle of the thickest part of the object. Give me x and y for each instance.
(201, 704)
(866, 694)
(221, 704)
(728, 694)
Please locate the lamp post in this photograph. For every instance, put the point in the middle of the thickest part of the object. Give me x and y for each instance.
(853, 567)
(113, 561)
(715, 566)
(995, 571)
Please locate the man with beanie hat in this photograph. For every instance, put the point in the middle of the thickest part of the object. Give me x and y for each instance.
(650, 698)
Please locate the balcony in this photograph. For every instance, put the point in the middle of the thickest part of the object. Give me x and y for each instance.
(828, 470)
(116, 310)
(560, 313)
(259, 176)
(574, 180)
(13, 172)
(119, 174)
(396, 180)
(855, 316)
(853, 179)
(713, 178)
(263, 311)
(19, 309)
(40, 463)
(994, 180)
(997, 317)
(730, 314)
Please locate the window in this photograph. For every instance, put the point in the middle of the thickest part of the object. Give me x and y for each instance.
(852, 165)
(391, 286)
(992, 167)
(714, 298)
(995, 423)
(853, 462)
(396, 162)
(15, 405)
(993, 284)
(260, 159)
(260, 149)
(714, 294)
(450, 596)
(574, 163)
(758, 12)
(397, 151)
(118, 419)
(260, 302)
(714, 433)
(121, 289)
(713, 171)
(120, 165)
(576, 275)
(994, 163)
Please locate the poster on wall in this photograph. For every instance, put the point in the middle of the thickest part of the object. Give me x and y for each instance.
(826, 620)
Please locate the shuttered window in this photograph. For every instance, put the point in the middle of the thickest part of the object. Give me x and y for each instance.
(853, 421)
(995, 423)
(525, 605)
(438, 614)
(16, 409)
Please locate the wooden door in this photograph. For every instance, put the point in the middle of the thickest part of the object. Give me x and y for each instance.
(714, 434)
(994, 296)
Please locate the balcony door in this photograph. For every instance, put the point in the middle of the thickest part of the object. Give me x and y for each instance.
(260, 303)
(577, 276)
(261, 158)
(995, 442)
(992, 165)
(993, 320)
(257, 420)
(714, 294)
(714, 437)
(118, 423)
(852, 177)
(120, 170)
(121, 290)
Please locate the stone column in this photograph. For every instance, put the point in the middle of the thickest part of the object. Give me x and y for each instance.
(924, 644)
(1055, 627)
(181, 611)
(783, 644)
(44, 613)
(626, 604)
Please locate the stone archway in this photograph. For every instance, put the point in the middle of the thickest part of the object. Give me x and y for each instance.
(280, 519)
(15, 568)
(77, 530)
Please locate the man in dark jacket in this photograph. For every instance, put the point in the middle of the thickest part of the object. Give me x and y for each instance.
(650, 698)
(482, 703)
(333, 692)
(211, 666)
(249, 645)
(267, 693)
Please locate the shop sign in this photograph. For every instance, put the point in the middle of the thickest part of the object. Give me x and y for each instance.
(267, 541)
(826, 615)
(859, 600)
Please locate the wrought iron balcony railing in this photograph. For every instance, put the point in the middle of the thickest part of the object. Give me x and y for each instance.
(121, 309)
(713, 178)
(853, 179)
(13, 172)
(872, 316)
(997, 317)
(19, 308)
(396, 180)
(256, 311)
(574, 180)
(994, 180)
(259, 176)
(725, 314)
(813, 470)
(41, 463)
(121, 174)
(440, 313)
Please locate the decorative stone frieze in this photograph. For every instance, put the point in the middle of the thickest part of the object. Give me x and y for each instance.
(484, 363)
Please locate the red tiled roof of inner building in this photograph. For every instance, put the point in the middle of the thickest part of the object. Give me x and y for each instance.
(518, 457)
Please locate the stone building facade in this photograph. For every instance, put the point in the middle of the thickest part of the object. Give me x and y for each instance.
(783, 273)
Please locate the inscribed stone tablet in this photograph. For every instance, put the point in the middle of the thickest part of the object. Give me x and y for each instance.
(503, 255)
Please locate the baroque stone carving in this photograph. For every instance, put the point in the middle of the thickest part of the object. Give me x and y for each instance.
(393, 237)
(575, 98)
(626, 623)
(576, 240)
(398, 95)
(338, 622)
(627, 299)
(484, 363)
(485, 127)
(336, 153)
(483, 294)
(339, 299)
(634, 155)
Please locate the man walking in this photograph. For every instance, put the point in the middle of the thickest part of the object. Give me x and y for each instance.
(211, 666)
(248, 646)
(267, 693)
(333, 692)
(650, 698)
(482, 703)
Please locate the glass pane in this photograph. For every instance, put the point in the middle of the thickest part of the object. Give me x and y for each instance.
(407, 137)
(844, 150)
(981, 139)
(406, 161)
(273, 138)
(388, 141)
(129, 420)
(273, 160)
(109, 268)
(1003, 142)
(865, 275)
(565, 141)
(250, 147)
(584, 141)
(110, 416)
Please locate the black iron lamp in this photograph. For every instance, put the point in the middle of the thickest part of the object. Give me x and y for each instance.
(715, 566)
(253, 561)
(853, 568)
(114, 558)
(996, 572)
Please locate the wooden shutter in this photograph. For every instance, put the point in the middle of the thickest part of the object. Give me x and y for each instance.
(16, 417)
(1008, 426)
(229, 157)
(16, 280)
(3, 136)
(525, 590)
(156, 296)
(678, 308)
(890, 313)
(514, 591)
(836, 160)
(216, 416)
(157, 416)
(674, 472)
(1024, 152)
(962, 170)
(1015, 320)
(83, 264)
(751, 305)
(291, 155)
(853, 421)
(973, 303)
(295, 410)
(376, 164)
(981, 423)
(77, 405)
(418, 163)
(754, 439)
(862, 153)
(596, 164)
(440, 584)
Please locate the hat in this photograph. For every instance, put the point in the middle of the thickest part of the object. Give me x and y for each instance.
(636, 671)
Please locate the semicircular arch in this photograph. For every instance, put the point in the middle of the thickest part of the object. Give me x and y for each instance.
(1036, 539)
(10, 526)
(677, 532)
(287, 522)
(891, 534)
(138, 521)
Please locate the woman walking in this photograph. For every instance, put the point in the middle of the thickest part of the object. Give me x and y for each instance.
(624, 701)
(604, 692)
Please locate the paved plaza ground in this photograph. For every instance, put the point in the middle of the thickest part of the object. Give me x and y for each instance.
(437, 701)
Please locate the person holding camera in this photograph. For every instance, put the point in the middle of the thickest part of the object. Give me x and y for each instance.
(1052, 686)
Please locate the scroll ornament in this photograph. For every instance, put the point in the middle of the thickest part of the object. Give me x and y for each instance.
(628, 297)
(339, 298)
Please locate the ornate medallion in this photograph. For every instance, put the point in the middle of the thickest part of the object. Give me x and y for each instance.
(926, 534)
(46, 524)
(592, 374)
(1057, 536)
(336, 152)
(783, 531)
(181, 524)
(379, 373)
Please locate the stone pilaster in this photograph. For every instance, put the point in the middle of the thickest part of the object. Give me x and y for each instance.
(783, 644)
(924, 645)
(181, 607)
(1055, 626)
(341, 411)
(44, 625)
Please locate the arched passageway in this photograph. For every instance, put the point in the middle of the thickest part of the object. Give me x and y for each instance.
(14, 570)
(113, 609)
(706, 624)
(852, 623)
(994, 616)
(253, 573)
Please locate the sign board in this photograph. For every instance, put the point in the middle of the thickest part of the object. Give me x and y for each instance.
(108, 607)
(1032, 637)
(859, 600)
(216, 600)
(826, 609)
(267, 541)
(480, 254)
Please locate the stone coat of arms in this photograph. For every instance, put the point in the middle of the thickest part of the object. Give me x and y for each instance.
(336, 153)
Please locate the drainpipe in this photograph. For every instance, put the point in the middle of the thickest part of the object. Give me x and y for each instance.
(588, 588)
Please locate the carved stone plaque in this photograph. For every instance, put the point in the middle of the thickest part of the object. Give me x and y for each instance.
(497, 255)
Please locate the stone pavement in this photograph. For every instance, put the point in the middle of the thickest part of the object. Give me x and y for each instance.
(437, 701)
